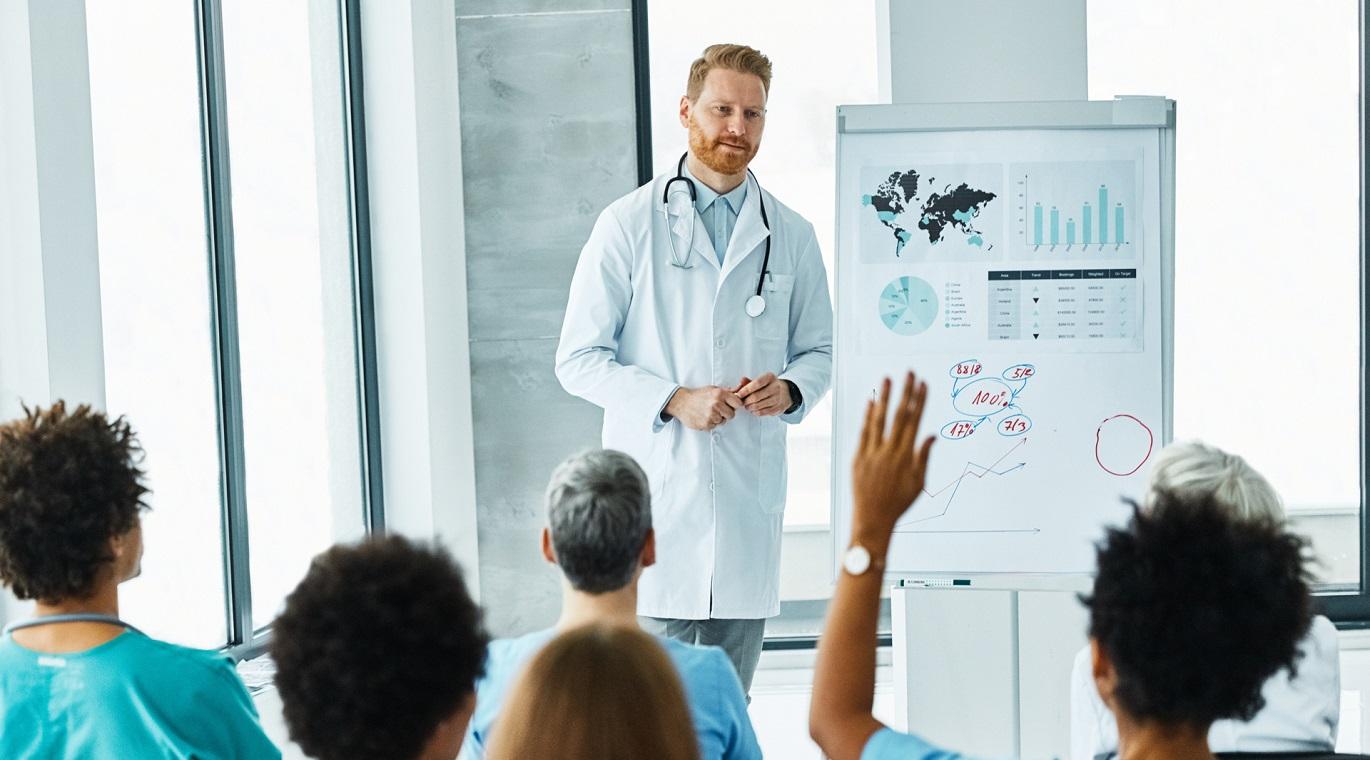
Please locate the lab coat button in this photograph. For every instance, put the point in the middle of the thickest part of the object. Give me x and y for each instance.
(711, 485)
(719, 343)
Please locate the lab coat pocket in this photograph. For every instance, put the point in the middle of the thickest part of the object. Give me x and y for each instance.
(774, 322)
(772, 469)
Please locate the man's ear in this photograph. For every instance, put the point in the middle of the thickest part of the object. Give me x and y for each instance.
(1105, 677)
(648, 556)
(685, 106)
(548, 553)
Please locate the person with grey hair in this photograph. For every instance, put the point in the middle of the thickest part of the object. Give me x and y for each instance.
(1302, 707)
(599, 533)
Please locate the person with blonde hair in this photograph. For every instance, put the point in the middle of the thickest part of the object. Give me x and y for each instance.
(598, 692)
(1302, 706)
(699, 320)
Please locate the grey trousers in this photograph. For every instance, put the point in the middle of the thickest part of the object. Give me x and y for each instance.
(741, 639)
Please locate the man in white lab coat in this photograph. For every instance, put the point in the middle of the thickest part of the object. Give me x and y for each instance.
(699, 319)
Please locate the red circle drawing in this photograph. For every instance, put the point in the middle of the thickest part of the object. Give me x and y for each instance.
(1128, 420)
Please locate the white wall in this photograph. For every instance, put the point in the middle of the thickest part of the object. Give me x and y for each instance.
(419, 256)
(934, 51)
(51, 346)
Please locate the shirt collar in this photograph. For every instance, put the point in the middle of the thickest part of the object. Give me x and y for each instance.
(705, 195)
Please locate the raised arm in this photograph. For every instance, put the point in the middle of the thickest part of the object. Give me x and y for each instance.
(887, 475)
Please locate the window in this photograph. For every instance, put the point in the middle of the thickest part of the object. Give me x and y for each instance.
(159, 362)
(1268, 295)
(1270, 219)
(796, 160)
(233, 279)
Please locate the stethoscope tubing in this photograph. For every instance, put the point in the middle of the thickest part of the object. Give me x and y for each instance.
(74, 617)
(690, 185)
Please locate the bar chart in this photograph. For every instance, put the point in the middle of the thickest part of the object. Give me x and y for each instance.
(1083, 207)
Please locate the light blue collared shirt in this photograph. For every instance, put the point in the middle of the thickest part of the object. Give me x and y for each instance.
(719, 217)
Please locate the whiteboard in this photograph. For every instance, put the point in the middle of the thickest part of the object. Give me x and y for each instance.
(1019, 258)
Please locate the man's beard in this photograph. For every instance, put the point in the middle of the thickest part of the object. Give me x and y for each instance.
(713, 155)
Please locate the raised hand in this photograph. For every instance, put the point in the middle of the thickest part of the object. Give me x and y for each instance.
(889, 468)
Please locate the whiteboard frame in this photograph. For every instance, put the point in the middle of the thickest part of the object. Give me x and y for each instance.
(1123, 112)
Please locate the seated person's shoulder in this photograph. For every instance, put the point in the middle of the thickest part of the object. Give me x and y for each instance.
(696, 658)
(1322, 634)
(195, 673)
(888, 743)
(512, 653)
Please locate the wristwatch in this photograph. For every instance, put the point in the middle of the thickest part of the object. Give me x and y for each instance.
(796, 399)
(858, 560)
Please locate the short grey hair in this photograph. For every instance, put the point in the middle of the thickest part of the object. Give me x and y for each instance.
(1193, 470)
(599, 511)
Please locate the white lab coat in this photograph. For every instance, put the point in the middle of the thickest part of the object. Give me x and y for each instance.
(637, 327)
(1300, 714)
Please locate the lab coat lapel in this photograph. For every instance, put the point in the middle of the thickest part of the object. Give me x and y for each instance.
(701, 245)
(749, 232)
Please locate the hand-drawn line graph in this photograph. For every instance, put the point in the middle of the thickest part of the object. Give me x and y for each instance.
(971, 470)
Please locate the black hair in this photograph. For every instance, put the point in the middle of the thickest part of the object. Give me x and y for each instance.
(68, 484)
(377, 645)
(1195, 609)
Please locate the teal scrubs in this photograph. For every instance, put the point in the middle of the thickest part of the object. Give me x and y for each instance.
(131, 697)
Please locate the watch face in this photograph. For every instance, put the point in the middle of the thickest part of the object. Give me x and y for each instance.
(857, 561)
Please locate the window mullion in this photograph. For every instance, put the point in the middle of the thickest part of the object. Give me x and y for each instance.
(224, 315)
(363, 292)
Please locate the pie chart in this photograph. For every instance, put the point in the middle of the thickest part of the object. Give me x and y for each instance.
(908, 306)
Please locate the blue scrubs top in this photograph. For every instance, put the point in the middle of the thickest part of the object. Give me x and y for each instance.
(888, 744)
(714, 693)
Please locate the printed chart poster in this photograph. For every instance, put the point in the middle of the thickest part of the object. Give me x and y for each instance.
(1075, 209)
(1019, 273)
(914, 212)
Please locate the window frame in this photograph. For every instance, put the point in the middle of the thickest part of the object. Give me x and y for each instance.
(247, 637)
(1349, 609)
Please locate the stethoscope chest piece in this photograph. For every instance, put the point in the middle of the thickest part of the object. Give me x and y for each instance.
(756, 306)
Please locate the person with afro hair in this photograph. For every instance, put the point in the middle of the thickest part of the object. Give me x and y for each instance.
(1192, 610)
(377, 654)
(75, 680)
(1302, 708)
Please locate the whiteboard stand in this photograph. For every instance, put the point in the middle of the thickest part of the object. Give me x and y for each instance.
(985, 668)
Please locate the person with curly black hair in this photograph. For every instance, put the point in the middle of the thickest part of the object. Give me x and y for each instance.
(1193, 609)
(377, 653)
(75, 680)
(1302, 711)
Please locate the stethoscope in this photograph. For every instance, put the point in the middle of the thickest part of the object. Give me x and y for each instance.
(756, 304)
(75, 617)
